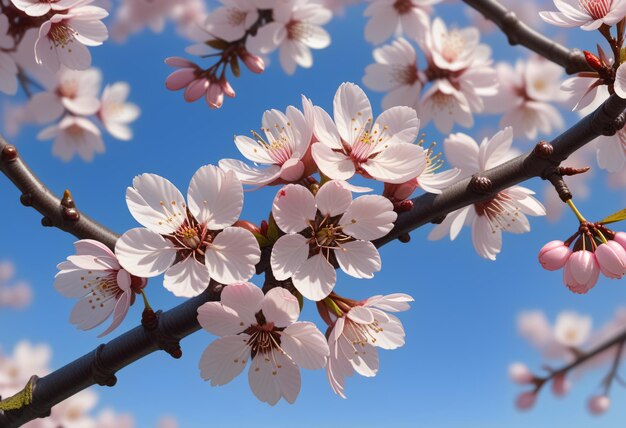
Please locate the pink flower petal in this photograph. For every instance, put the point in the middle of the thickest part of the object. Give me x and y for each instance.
(215, 197)
(316, 278)
(280, 307)
(288, 254)
(232, 256)
(293, 208)
(224, 359)
(306, 345)
(144, 253)
(369, 217)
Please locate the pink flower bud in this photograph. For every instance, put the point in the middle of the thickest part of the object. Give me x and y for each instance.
(215, 95)
(254, 63)
(196, 89)
(526, 400)
(612, 259)
(560, 385)
(180, 79)
(400, 191)
(519, 373)
(598, 404)
(178, 62)
(554, 255)
(228, 90)
(620, 238)
(581, 271)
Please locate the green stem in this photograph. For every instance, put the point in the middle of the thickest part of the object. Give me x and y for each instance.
(145, 301)
(579, 216)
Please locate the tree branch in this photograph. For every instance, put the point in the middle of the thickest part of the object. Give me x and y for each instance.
(99, 366)
(518, 33)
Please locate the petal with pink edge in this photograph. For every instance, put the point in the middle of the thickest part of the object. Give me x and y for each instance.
(397, 164)
(361, 315)
(396, 125)
(252, 150)
(316, 278)
(305, 344)
(119, 313)
(462, 152)
(245, 299)
(224, 359)
(359, 259)
(293, 208)
(187, 278)
(496, 150)
(487, 240)
(620, 82)
(232, 255)
(144, 253)
(280, 307)
(334, 164)
(325, 130)
(215, 197)
(219, 319)
(369, 217)
(288, 254)
(352, 112)
(333, 198)
(89, 313)
(273, 377)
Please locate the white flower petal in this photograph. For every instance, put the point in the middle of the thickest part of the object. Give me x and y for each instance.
(215, 197)
(333, 198)
(144, 253)
(305, 344)
(288, 254)
(397, 163)
(352, 112)
(334, 164)
(232, 256)
(359, 259)
(280, 307)
(273, 377)
(293, 208)
(369, 217)
(187, 278)
(224, 359)
(316, 278)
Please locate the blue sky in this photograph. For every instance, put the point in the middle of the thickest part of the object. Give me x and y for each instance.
(461, 330)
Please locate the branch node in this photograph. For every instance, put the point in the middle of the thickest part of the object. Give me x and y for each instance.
(510, 20)
(26, 199)
(404, 238)
(46, 222)
(167, 343)
(101, 375)
(70, 214)
(568, 170)
(9, 153)
(68, 201)
(480, 184)
(543, 150)
(554, 176)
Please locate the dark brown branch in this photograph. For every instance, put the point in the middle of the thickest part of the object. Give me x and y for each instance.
(101, 364)
(518, 33)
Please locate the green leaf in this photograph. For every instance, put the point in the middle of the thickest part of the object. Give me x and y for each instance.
(615, 217)
(262, 240)
(218, 44)
(234, 66)
(272, 229)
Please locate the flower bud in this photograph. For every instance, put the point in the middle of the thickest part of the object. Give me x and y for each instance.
(612, 259)
(400, 191)
(620, 238)
(519, 373)
(554, 255)
(526, 400)
(581, 271)
(180, 79)
(254, 63)
(593, 61)
(598, 404)
(196, 89)
(560, 385)
(228, 90)
(215, 95)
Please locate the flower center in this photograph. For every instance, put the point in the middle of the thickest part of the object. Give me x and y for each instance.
(405, 75)
(326, 235)
(61, 35)
(277, 146)
(68, 89)
(452, 45)
(192, 239)
(298, 30)
(596, 8)
(499, 211)
(403, 6)
(236, 17)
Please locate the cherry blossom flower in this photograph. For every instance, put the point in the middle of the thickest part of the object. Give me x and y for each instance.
(571, 329)
(17, 295)
(611, 258)
(41, 7)
(587, 14)
(555, 342)
(460, 72)
(231, 21)
(520, 373)
(191, 243)
(64, 38)
(107, 418)
(71, 90)
(524, 96)
(263, 329)
(104, 288)
(336, 226)
(27, 360)
(8, 68)
(581, 271)
(197, 84)
(295, 30)
(505, 212)
(598, 404)
(395, 71)
(74, 135)
(554, 255)
(388, 17)
(115, 113)
(285, 148)
(611, 151)
(74, 412)
(526, 400)
(354, 143)
(356, 334)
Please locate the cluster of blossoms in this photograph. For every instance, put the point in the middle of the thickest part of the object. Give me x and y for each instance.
(247, 31)
(570, 337)
(596, 249)
(17, 295)
(76, 411)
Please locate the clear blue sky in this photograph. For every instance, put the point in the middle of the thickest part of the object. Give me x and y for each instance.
(461, 331)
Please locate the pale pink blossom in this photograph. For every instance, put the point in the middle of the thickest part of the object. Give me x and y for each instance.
(107, 418)
(74, 411)
(354, 143)
(554, 255)
(74, 135)
(295, 30)
(265, 330)
(611, 258)
(339, 228)
(285, 150)
(587, 14)
(231, 21)
(41, 7)
(611, 151)
(520, 373)
(8, 68)
(24, 57)
(506, 211)
(525, 94)
(75, 91)
(560, 385)
(27, 360)
(389, 17)
(461, 75)
(64, 38)
(588, 89)
(581, 271)
(191, 243)
(571, 329)
(16, 296)
(355, 335)
(116, 113)
(395, 72)
(104, 288)
(598, 404)
(526, 400)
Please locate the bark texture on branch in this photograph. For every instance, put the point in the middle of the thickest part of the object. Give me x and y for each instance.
(518, 33)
